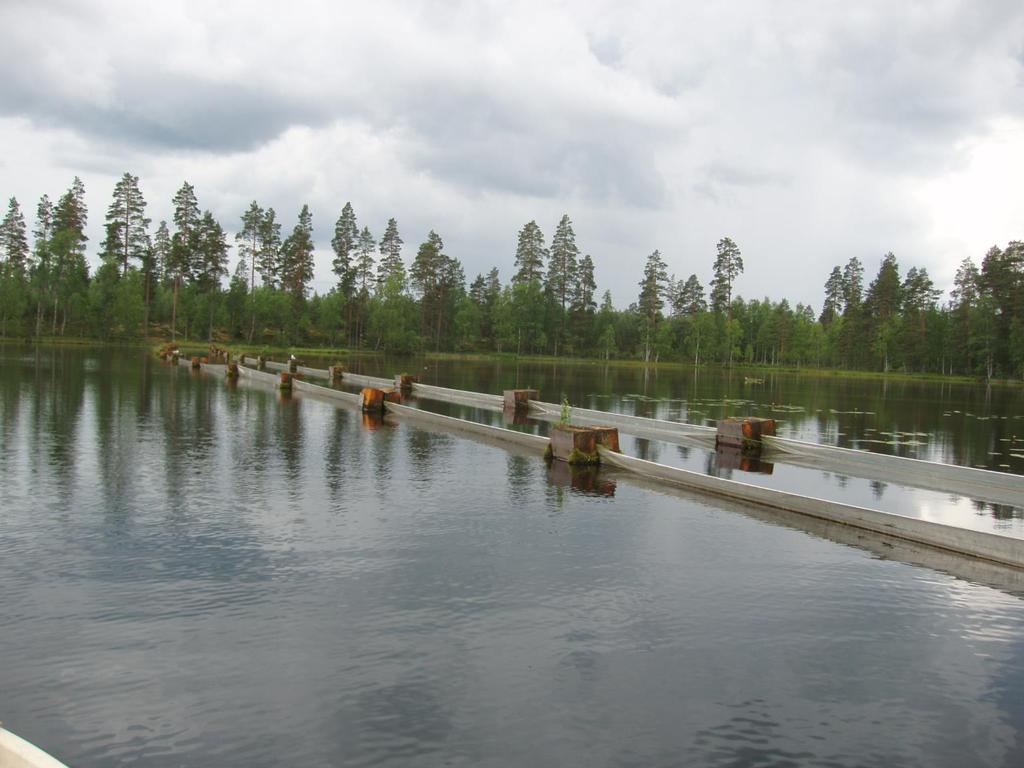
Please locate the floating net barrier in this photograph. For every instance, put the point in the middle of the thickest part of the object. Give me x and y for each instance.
(982, 484)
(987, 546)
(1002, 550)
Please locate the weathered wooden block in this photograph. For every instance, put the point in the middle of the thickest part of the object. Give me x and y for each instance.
(392, 395)
(744, 432)
(335, 373)
(608, 437)
(404, 381)
(195, 362)
(293, 365)
(574, 445)
(519, 399)
(261, 364)
(232, 370)
(373, 400)
(285, 383)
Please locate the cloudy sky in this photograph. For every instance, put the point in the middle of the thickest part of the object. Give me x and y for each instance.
(809, 132)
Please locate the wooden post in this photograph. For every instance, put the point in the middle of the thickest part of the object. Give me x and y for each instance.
(293, 365)
(285, 384)
(261, 364)
(373, 400)
(232, 370)
(195, 362)
(404, 382)
(744, 432)
(519, 399)
(335, 373)
(578, 445)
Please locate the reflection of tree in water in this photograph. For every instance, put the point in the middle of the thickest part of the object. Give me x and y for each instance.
(519, 471)
(341, 455)
(998, 511)
(425, 449)
(289, 431)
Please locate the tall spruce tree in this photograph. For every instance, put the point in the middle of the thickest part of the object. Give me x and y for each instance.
(390, 264)
(14, 240)
(562, 265)
(727, 267)
(211, 262)
(833, 305)
(268, 258)
(70, 271)
(530, 255)
(127, 228)
(689, 297)
(248, 239)
(346, 237)
(184, 245)
(42, 259)
(297, 257)
(364, 261)
(653, 289)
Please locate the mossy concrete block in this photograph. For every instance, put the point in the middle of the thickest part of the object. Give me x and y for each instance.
(519, 399)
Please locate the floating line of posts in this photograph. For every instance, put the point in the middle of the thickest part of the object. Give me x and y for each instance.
(991, 547)
(972, 482)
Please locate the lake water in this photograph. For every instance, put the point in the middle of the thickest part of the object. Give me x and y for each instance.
(199, 574)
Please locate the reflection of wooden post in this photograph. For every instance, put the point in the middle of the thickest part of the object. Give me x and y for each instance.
(519, 399)
(335, 374)
(373, 400)
(404, 382)
(285, 384)
(195, 362)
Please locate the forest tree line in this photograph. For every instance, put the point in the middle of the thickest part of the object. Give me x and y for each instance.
(173, 282)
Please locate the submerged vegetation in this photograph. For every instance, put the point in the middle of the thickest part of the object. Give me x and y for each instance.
(173, 282)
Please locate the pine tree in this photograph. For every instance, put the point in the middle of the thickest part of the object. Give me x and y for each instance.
(562, 261)
(728, 266)
(184, 244)
(14, 255)
(268, 258)
(390, 264)
(14, 241)
(70, 273)
(364, 263)
(297, 257)
(439, 279)
(530, 255)
(562, 271)
(42, 267)
(346, 236)
(653, 288)
(127, 228)
(162, 251)
(833, 305)
(248, 239)
(853, 284)
(211, 261)
(690, 297)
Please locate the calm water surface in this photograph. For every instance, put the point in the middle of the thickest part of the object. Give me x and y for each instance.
(196, 574)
